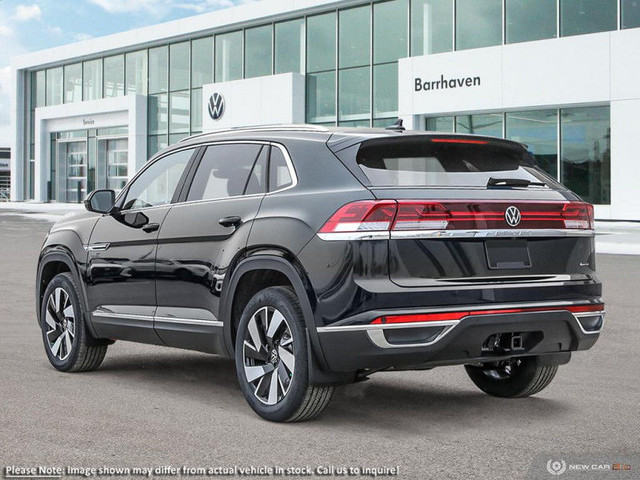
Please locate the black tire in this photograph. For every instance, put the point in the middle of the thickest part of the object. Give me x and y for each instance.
(85, 353)
(295, 399)
(516, 378)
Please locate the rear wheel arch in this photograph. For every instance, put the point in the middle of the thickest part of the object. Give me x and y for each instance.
(273, 269)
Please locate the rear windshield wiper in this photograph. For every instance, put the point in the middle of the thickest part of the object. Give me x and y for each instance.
(512, 182)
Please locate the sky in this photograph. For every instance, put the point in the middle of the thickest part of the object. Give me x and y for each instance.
(28, 26)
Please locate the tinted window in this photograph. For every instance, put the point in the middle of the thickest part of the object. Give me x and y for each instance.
(279, 175)
(420, 162)
(258, 178)
(223, 171)
(157, 184)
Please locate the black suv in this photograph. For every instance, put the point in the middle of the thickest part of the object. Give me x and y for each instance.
(316, 257)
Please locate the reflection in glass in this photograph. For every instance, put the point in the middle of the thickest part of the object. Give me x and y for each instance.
(258, 55)
(585, 152)
(354, 36)
(527, 20)
(431, 26)
(578, 17)
(73, 83)
(385, 88)
(38, 89)
(321, 97)
(478, 23)
(117, 157)
(228, 57)
(289, 42)
(158, 112)
(196, 110)
(156, 143)
(440, 124)
(158, 69)
(114, 76)
(630, 13)
(179, 104)
(390, 36)
(539, 131)
(55, 88)
(353, 95)
(321, 42)
(489, 124)
(201, 62)
(92, 80)
(136, 68)
(179, 66)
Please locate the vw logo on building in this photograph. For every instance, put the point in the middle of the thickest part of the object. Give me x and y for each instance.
(512, 216)
(216, 106)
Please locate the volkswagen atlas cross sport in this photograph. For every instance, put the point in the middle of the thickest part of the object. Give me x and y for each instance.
(315, 257)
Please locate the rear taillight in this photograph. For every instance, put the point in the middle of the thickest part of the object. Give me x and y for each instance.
(462, 216)
(421, 216)
(578, 215)
(364, 216)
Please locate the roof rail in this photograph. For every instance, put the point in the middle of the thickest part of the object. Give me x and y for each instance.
(262, 128)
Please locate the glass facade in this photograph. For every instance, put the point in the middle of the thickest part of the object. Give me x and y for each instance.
(579, 137)
(349, 55)
(578, 17)
(527, 21)
(478, 23)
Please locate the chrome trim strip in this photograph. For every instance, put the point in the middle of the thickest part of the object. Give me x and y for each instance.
(445, 234)
(378, 338)
(354, 236)
(130, 316)
(386, 326)
(600, 313)
(97, 247)
(189, 321)
(492, 233)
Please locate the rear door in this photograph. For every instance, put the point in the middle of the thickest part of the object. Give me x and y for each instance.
(473, 210)
(199, 238)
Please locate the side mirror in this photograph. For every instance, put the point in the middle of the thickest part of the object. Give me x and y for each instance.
(100, 201)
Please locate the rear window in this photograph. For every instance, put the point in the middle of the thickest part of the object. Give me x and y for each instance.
(424, 161)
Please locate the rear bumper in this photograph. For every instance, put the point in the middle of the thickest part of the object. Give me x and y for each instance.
(357, 345)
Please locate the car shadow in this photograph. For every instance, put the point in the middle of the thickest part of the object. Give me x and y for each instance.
(388, 401)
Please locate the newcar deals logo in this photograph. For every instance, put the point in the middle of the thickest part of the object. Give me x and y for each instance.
(216, 106)
(556, 467)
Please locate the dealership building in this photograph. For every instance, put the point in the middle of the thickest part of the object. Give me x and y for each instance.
(562, 76)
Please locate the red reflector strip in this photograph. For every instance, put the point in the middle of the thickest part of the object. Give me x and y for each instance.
(459, 140)
(445, 316)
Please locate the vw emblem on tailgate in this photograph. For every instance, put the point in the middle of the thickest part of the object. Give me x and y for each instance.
(512, 216)
(216, 106)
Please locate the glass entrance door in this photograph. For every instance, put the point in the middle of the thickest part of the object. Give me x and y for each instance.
(117, 156)
(71, 172)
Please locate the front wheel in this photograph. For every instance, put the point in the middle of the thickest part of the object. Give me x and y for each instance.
(69, 346)
(272, 361)
(513, 378)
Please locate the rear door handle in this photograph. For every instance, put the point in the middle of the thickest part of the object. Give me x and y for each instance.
(232, 221)
(151, 227)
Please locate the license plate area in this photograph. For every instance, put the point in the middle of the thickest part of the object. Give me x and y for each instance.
(507, 254)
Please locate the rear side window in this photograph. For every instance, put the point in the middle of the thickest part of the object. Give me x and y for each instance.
(420, 161)
(279, 174)
(224, 171)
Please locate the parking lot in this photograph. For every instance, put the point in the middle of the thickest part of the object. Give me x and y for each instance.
(151, 406)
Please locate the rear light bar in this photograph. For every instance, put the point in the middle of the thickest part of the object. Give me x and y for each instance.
(419, 215)
(448, 316)
(459, 140)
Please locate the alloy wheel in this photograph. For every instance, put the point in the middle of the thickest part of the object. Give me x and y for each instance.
(268, 354)
(60, 318)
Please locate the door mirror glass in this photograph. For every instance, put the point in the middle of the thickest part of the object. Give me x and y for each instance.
(100, 201)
